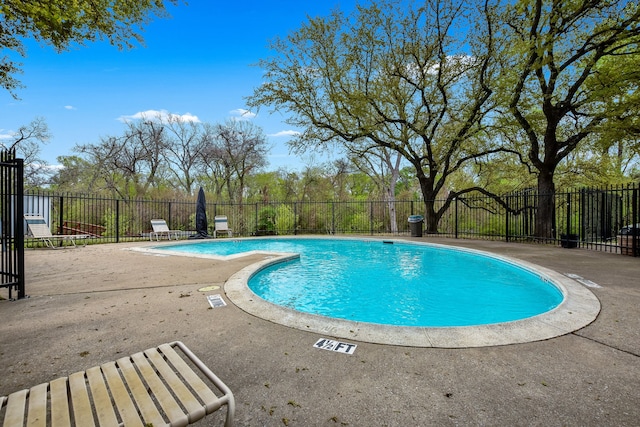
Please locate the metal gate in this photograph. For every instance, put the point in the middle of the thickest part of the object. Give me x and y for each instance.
(12, 223)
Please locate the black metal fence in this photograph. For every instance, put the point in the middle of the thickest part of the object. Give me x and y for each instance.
(604, 219)
(11, 224)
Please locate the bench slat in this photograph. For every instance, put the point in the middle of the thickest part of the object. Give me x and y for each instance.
(59, 403)
(16, 403)
(124, 404)
(101, 399)
(37, 412)
(194, 381)
(195, 409)
(150, 413)
(175, 414)
(81, 405)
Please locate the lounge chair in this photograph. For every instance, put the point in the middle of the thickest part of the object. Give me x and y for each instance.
(160, 228)
(159, 387)
(39, 229)
(221, 225)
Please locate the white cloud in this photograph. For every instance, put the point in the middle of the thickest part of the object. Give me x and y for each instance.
(162, 116)
(242, 114)
(70, 107)
(6, 134)
(285, 133)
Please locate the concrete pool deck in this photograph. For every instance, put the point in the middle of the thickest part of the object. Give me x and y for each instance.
(92, 305)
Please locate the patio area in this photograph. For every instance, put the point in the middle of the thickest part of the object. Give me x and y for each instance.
(95, 304)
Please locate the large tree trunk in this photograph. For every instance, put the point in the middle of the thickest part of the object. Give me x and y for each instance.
(429, 196)
(430, 216)
(391, 206)
(391, 197)
(545, 216)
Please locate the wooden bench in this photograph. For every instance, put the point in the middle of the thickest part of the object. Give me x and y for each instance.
(157, 387)
(77, 227)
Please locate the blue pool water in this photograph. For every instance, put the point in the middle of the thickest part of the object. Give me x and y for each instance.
(398, 283)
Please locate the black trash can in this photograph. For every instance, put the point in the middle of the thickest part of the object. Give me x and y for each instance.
(415, 225)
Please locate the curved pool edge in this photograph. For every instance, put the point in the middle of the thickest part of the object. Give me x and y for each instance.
(579, 308)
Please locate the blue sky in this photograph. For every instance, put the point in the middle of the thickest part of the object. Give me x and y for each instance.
(197, 63)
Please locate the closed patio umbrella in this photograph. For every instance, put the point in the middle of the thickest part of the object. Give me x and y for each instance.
(201, 217)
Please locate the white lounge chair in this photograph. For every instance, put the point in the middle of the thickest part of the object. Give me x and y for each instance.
(39, 229)
(221, 225)
(160, 386)
(160, 228)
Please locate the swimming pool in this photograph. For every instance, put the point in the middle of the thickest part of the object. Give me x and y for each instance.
(578, 308)
(391, 283)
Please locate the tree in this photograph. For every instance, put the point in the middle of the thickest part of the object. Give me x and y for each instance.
(314, 183)
(383, 166)
(619, 142)
(281, 185)
(395, 77)
(185, 142)
(74, 174)
(61, 23)
(240, 148)
(215, 173)
(27, 141)
(148, 139)
(339, 172)
(129, 164)
(236, 150)
(560, 68)
(116, 166)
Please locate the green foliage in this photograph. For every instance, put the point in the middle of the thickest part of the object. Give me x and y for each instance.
(361, 222)
(266, 221)
(285, 220)
(115, 224)
(276, 220)
(310, 218)
(61, 23)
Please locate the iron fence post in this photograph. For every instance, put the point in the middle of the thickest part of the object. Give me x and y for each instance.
(506, 220)
(60, 216)
(635, 217)
(455, 216)
(117, 221)
(333, 217)
(371, 217)
(19, 230)
(582, 201)
(568, 213)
